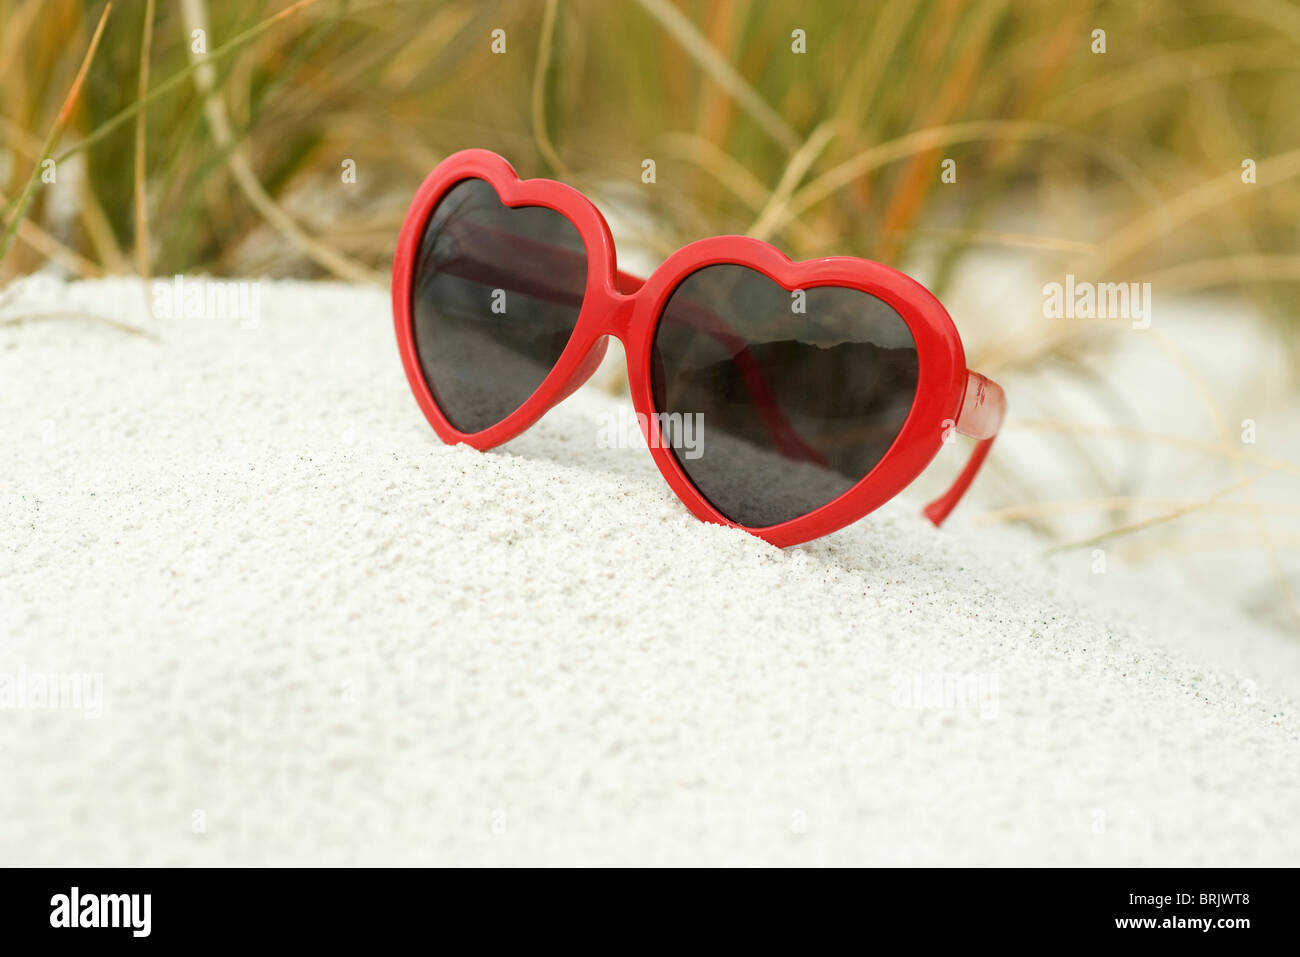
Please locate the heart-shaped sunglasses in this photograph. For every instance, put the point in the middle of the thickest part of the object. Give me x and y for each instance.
(785, 398)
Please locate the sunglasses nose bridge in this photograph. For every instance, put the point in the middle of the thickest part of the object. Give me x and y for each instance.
(615, 315)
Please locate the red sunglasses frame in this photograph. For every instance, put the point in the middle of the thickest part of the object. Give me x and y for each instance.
(948, 396)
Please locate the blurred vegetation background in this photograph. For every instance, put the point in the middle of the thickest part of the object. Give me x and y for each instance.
(1122, 165)
(835, 149)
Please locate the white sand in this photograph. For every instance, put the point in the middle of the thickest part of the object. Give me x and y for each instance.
(341, 641)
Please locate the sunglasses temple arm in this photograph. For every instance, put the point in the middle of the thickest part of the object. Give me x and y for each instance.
(983, 410)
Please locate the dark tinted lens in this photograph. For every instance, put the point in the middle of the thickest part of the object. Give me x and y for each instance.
(799, 394)
(495, 296)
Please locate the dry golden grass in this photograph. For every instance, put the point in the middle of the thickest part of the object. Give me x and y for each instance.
(835, 148)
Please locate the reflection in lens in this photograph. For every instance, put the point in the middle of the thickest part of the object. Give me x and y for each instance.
(495, 296)
(802, 392)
